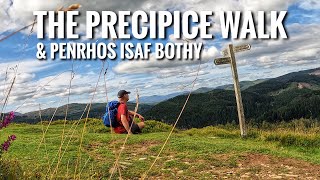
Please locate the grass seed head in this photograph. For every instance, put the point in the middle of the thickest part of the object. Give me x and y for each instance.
(73, 7)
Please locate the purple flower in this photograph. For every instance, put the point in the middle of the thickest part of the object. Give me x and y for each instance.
(7, 120)
(5, 146)
(13, 137)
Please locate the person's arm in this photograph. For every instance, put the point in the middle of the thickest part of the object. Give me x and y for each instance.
(137, 114)
(132, 113)
(125, 123)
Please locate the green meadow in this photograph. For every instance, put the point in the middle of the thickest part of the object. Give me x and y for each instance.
(211, 152)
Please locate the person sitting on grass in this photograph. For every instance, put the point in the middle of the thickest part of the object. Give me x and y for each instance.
(125, 117)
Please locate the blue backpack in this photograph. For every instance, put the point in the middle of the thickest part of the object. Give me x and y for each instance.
(112, 109)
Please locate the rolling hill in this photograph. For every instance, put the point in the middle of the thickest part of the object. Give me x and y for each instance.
(291, 96)
(156, 98)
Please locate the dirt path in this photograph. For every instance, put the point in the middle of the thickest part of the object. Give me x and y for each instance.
(215, 166)
(247, 166)
(260, 166)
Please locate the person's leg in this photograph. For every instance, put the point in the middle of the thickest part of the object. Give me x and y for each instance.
(141, 125)
(135, 129)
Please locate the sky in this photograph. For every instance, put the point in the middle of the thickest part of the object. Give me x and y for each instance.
(44, 84)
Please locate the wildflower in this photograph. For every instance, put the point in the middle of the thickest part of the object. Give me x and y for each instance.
(7, 120)
(5, 146)
(13, 137)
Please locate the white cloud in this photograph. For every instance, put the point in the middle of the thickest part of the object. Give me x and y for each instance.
(301, 46)
(162, 66)
(263, 5)
(309, 4)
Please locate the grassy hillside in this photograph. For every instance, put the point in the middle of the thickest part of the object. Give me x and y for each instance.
(292, 96)
(285, 151)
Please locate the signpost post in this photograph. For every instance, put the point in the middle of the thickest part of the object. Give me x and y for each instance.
(229, 58)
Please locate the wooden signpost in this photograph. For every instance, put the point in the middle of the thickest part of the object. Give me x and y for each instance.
(229, 58)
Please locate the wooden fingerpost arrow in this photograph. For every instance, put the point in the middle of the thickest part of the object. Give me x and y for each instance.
(229, 58)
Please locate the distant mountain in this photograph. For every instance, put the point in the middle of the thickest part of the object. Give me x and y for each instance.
(157, 98)
(75, 111)
(18, 114)
(243, 85)
(291, 96)
(202, 90)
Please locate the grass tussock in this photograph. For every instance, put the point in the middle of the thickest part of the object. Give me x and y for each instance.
(213, 131)
(298, 133)
(10, 169)
(152, 126)
(287, 138)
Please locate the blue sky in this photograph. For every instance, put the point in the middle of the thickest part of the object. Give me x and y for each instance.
(46, 83)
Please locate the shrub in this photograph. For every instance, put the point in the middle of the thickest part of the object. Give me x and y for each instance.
(253, 134)
(152, 126)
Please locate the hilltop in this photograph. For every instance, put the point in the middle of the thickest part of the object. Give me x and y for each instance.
(207, 153)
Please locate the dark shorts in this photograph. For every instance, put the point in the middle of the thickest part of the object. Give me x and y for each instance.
(134, 129)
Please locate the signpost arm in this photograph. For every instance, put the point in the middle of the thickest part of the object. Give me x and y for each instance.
(237, 91)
